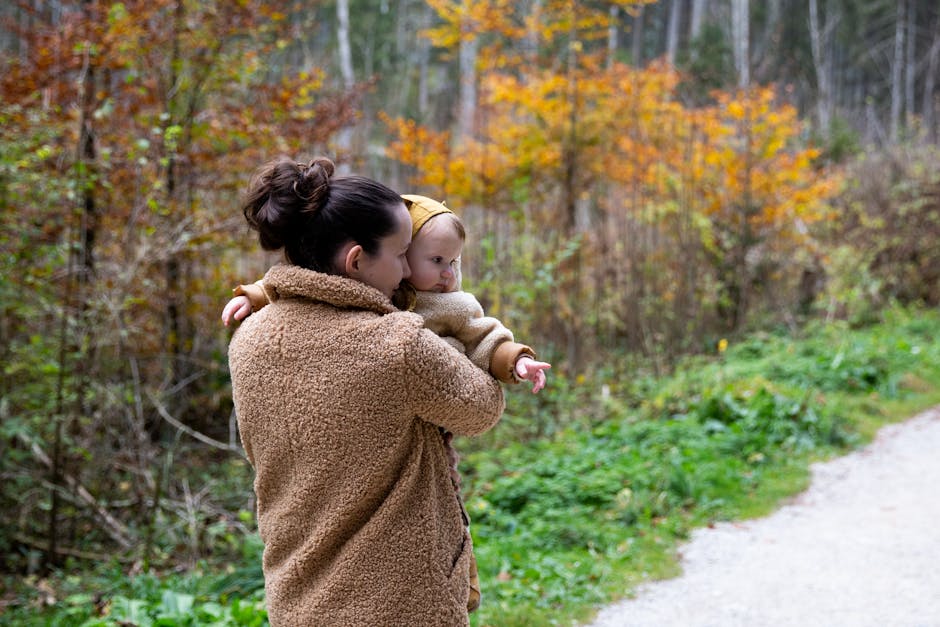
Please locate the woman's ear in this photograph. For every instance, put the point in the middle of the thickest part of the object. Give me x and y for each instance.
(352, 260)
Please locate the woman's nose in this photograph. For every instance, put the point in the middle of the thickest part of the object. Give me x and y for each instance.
(405, 269)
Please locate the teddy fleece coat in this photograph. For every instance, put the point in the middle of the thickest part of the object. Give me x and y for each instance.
(339, 398)
(456, 316)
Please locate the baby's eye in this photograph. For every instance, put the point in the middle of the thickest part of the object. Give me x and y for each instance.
(437, 259)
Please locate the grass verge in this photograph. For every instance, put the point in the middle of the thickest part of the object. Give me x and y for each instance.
(570, 521)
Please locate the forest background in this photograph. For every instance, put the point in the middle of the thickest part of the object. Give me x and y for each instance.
(641, 181)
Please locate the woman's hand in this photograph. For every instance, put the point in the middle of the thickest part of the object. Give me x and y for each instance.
(528, 369)
(237, 309)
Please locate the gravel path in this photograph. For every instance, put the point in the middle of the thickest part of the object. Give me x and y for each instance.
(861, 547)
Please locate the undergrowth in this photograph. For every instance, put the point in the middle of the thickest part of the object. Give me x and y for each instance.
(586, 489)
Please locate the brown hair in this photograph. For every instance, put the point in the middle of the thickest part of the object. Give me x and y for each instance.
(304, 209)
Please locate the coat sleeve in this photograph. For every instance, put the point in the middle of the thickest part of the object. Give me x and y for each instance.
(447, 389)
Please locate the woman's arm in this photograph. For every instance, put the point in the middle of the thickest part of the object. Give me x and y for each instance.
(447, 389)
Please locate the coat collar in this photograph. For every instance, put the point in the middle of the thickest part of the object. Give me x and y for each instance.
(289, 281)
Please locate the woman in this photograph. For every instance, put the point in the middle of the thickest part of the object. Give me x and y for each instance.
(340, 399)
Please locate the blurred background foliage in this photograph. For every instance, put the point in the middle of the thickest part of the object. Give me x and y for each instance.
(641, 181)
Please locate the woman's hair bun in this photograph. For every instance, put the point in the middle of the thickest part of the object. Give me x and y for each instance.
(313, 184)
(282, 193)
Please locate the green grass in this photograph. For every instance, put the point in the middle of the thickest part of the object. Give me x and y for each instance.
(598, 481)
(565, 523)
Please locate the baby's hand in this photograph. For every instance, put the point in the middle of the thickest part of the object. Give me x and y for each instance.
(238, 309)
(530, 370)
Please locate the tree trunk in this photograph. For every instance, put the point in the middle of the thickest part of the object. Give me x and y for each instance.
(740, 34)
(696, 19)
(637, 44)
(765, 53)
(897, 73)
(345, 50)
(613, 31)
(910, 67)
(569, 199)
(467, 100)
(930, 84)
(77, 280)
(822, 62)
(344, 137)
(672, 32)
(532, 34)
(424, 63)
(172, 267)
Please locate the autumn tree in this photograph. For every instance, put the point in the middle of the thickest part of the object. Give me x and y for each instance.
(761, 192)
(133, 128)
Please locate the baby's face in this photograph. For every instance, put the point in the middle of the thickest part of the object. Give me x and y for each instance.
(432, 255)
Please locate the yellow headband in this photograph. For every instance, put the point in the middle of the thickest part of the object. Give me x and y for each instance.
(422, 209)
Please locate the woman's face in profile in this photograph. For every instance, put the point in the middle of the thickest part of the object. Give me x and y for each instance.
(388, 267)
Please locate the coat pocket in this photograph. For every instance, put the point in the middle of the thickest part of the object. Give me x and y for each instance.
(458, 579)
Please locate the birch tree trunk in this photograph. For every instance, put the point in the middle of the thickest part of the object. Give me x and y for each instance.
(897, 72)
(424, 63)
(613, 32)
(910, 67)
(345, 50)
(467, 98)
(740, 34)
(344, 137)
(696, 18)
(672, 32)
(819, 45)
(637, 44)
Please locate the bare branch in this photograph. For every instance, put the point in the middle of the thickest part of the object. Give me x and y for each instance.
(63, 550)
(115, 528)
(161, 409)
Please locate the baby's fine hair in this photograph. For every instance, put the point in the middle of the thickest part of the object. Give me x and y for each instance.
(304, 209)
(453, 219)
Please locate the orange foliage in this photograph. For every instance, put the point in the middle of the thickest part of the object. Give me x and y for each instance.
(622, 126)
(561, 125)
(414, 144)
(756, 177)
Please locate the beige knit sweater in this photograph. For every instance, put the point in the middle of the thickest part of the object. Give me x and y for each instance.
(339, 397)
(481, 338)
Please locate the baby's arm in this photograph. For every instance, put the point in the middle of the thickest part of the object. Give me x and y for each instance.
(488, 343)
(248, 298)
